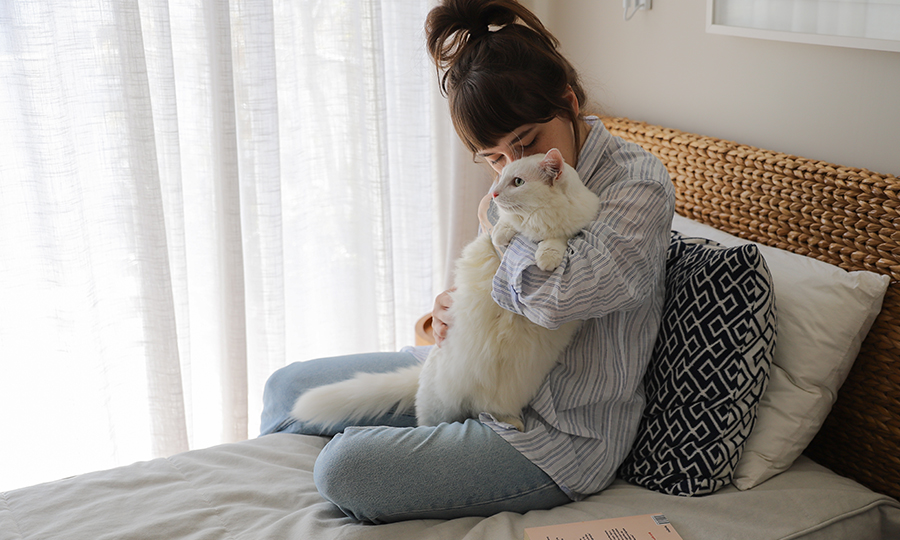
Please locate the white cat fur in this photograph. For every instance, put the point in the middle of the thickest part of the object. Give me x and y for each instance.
(492, 360)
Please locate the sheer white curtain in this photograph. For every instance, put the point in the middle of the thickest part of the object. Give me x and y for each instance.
(195, 193)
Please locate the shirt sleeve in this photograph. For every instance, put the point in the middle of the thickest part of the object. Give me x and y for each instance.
(612, 265)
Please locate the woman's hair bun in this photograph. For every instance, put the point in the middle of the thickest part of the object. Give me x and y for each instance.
(455, 23)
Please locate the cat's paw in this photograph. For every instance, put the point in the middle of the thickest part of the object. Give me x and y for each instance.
(502, 234)
(549, 254)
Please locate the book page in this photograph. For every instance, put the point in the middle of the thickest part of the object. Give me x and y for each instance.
(646, 527)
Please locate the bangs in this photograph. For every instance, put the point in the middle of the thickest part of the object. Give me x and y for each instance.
(487, 107)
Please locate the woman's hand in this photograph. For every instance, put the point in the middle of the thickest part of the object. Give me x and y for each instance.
(440, 321)
(483, 206)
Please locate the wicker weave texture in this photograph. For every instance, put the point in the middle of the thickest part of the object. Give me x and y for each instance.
(841, 215)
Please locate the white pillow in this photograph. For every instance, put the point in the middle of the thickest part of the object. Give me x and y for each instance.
(823, 314)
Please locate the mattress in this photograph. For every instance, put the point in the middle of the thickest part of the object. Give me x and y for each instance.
(263, 488)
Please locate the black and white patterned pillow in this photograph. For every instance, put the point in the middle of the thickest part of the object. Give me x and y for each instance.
(709, 368)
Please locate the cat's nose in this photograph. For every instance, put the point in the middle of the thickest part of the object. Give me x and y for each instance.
(494, 194)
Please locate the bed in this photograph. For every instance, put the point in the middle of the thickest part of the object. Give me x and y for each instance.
(838, 478)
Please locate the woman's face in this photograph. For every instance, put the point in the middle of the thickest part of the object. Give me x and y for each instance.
(533, 139)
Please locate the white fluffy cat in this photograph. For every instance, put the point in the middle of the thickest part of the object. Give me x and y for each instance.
(492, 360)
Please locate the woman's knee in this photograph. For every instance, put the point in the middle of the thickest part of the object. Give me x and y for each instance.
(281, 382)
(347, 474)
(275, 403)
(286, 384)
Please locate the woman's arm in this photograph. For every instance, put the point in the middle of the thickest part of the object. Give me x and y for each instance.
(613, 265)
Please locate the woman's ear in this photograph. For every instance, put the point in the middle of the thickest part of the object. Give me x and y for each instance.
(552, 165)
(570, 96)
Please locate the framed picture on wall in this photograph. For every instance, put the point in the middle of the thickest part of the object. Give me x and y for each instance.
(862, 24)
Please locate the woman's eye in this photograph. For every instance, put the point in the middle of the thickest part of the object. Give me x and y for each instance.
(518, 181)
(522, 149)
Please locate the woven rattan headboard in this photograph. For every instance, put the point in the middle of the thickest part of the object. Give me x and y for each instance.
(844, 216)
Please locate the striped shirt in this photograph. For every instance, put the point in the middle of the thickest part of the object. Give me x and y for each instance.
(583, 420)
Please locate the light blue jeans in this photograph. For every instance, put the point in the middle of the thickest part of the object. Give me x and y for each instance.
(390, 470)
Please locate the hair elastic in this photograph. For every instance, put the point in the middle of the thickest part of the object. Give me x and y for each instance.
(479, 31)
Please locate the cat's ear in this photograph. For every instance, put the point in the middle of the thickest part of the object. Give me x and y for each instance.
(552, 165)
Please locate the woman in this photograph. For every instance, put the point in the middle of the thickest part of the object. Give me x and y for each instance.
(512, 94)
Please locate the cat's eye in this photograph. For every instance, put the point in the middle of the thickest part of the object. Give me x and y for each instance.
(518, 181)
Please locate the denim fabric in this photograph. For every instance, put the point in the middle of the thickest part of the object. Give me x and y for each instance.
(390, 470)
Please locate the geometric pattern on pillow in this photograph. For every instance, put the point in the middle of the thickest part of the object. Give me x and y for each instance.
(709, 368)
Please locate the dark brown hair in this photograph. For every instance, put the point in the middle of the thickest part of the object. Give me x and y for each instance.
(501, 69)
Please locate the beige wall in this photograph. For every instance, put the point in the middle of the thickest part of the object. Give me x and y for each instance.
(830, 103)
